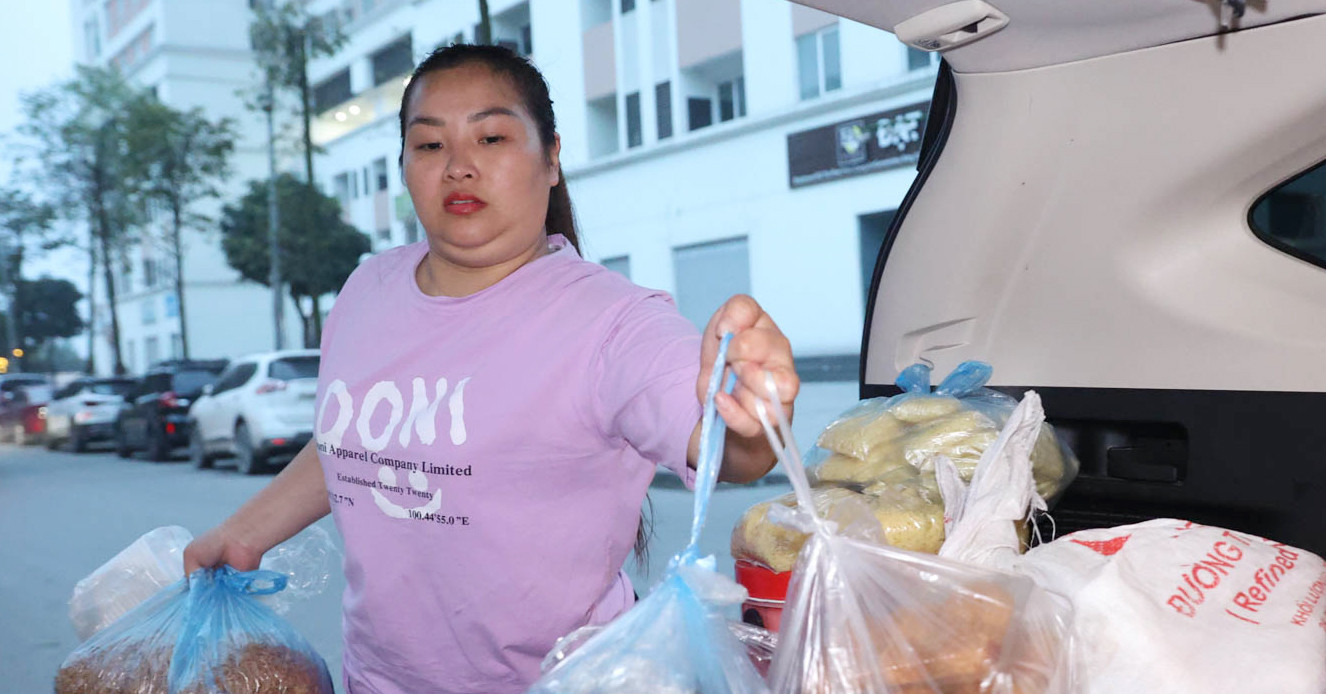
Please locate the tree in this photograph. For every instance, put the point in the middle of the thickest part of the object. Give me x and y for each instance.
(284, 39)
(26, 227)
(318, 250)
(81, 131)
(186, 157)
(48, 310)
(484, 32)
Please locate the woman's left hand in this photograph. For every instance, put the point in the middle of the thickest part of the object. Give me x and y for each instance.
(757, 346)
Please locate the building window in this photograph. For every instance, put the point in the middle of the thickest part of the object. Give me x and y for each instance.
(134, 51)
(732, 99)
(130, 356)
(634, 137)
(527, 40)
(603, 126)
(628, 6)
(394, 60)
(918, 59)
(384, 235)
(153, 348)
(1292, 217)
(354, 184)
(411, 229)
(620, 264)
(341, 187)
(332, 91)
(872, 229)
(149, 308)
(663, 104)
(708, 274)
(367, 181)
(176, 346)
(380, 172)
(819, 62)
(92, 39)
(699, 112)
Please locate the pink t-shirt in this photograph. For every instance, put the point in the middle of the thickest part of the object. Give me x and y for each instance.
(486, 458)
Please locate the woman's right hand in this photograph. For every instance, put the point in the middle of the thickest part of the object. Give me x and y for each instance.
(220, 546)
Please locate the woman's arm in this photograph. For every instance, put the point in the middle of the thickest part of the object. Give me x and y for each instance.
(757, 346)
(291, 502)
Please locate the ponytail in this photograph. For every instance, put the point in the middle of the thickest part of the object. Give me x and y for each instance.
(561, 216)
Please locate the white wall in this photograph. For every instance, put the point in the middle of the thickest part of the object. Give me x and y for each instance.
(724, 181)
(804, 244)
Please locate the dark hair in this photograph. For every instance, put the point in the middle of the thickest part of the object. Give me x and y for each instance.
(533, 90)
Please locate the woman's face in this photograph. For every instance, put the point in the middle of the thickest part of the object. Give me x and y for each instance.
(475, 168)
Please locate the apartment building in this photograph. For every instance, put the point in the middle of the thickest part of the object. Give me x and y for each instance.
(190, 53)
(711, 146)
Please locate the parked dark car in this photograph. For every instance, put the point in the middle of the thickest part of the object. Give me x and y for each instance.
(23, 399)
(156, 411)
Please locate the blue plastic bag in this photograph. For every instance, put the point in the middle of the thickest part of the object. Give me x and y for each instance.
(210, 635)
(675, 641)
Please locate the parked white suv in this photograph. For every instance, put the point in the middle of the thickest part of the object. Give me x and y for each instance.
(259, 408)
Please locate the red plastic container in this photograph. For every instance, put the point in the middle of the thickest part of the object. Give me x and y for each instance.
(767, 591)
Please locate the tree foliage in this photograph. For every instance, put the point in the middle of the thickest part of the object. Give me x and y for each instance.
(318, 249)
(49, 309)
(81, 132)
(285, 38)
(186, 157)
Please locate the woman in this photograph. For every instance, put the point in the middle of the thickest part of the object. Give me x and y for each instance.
(492, 408)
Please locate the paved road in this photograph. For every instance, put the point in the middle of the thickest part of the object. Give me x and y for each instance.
(62, 515)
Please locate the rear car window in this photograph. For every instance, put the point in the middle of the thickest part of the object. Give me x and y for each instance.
(17, 382)
(192, 381)
(1292, 217)
(120, 388)
(37, 393)
(291, 368)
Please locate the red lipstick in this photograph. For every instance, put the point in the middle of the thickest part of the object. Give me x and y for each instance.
(463, 204)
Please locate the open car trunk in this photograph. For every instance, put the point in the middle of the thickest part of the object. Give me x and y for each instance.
(1086, 219)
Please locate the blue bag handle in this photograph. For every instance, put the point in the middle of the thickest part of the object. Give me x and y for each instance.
(966, 379)
(260, 582)
(969, 377)
(712, 431)
(914, 379)
(207, 590)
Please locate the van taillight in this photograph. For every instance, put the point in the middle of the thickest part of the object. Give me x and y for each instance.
(168, 399)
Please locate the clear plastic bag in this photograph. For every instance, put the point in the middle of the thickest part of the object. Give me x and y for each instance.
(675, 641)
(156, 560)
(908, 514)
(866, 617)
(207, 636)
(138, 572)
(959, 420)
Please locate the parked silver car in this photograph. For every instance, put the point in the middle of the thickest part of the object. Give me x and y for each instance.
(84, 411)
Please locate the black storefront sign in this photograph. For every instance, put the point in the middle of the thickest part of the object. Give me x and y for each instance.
(876, 142)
